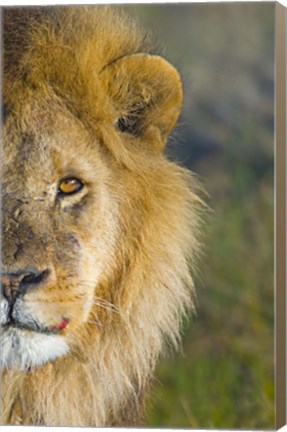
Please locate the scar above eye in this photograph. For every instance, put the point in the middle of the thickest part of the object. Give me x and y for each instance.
(72, 239)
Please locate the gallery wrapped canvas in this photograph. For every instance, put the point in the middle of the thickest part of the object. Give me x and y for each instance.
(138, 264)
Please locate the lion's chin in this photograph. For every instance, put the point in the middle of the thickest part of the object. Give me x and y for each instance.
(22, 349)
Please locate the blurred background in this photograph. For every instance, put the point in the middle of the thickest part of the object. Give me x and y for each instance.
(224, 378)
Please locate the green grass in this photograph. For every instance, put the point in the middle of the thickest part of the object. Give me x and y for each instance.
(225, 378)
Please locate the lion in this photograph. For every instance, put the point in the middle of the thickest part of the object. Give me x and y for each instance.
(99, 228)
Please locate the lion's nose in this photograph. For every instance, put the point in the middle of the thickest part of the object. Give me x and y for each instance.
(18, 282)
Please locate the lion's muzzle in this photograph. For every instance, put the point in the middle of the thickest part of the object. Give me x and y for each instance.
(13, 287)
(25, 341)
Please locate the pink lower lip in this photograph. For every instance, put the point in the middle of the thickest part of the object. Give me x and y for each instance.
(63, 324)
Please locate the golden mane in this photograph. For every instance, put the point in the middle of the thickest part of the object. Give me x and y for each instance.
(102, 382)
(66, 48)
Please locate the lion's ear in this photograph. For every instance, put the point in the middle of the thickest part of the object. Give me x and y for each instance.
(146, 92)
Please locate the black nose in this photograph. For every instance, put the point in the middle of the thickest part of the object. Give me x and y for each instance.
(12, 284)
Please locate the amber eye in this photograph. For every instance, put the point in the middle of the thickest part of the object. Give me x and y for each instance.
(69, 186)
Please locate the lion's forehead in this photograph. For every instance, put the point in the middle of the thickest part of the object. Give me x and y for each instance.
(26, 144)
(26, 153)
(37, 155)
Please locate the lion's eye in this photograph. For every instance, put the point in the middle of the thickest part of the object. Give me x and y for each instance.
(69, 186)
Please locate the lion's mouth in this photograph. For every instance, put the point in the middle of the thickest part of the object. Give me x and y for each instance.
(35, 326)
(39, 328)
(13, 316)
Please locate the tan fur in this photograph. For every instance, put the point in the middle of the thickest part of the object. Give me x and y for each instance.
(121, 250)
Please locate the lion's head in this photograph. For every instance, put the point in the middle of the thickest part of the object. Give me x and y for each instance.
(98, 227)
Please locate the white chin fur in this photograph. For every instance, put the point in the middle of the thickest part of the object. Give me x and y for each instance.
(22, 349)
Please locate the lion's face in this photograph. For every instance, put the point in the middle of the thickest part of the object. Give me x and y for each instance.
(71, 139)
(58, 237)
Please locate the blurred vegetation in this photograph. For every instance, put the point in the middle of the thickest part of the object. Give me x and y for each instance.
(225, 53)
